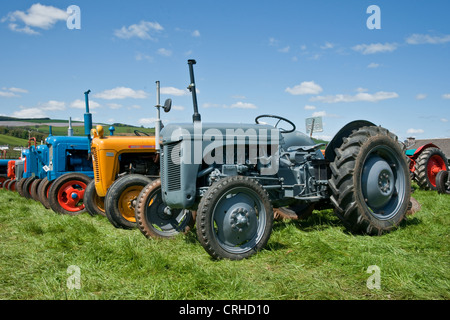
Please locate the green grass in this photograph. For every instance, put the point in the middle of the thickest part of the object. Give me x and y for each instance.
(308, 259)
(13, 141)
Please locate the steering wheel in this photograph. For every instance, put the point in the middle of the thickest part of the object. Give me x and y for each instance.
(138, 133)
(279, 119)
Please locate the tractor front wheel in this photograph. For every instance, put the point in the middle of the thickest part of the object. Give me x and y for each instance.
(120, 200)
(95, 205)
(66, 193)
(370, 181)
(155, 219)
(443, 182)
(234, 218)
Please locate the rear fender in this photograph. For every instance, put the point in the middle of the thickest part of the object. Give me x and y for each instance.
(346, 131)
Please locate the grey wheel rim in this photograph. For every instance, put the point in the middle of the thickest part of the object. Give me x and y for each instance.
(239, 220)
(164, 220)
(383, 183)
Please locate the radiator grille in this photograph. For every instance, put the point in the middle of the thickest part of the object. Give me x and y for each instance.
(173, 166)
(95, 164)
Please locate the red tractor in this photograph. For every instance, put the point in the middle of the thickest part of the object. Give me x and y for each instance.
(425, 163)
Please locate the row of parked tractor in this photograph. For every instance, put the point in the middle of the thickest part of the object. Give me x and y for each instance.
(155, 184)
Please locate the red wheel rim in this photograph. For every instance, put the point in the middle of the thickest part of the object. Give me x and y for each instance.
(70, 195)
(434, 165)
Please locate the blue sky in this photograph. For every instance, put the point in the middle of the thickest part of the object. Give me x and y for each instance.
(294, 58)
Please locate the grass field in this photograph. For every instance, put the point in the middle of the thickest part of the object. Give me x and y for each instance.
(310, 259)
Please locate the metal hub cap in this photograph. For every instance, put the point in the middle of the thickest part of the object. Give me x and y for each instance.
(379, 182)
(384, 182)
(239, 219)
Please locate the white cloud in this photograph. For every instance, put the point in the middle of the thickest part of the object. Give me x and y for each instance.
(20, 90)
(427, 39)
(37, 16)
(7, 94)
(53, 105)
(144, 30)
(444, 120)
(179, 108)
(362, 96)
(273, 42)
(237, 105)
(415, 131)
(11, 92)
(164, 52)
(324, 114)
(446, 96)
(81, 104)
(310, 107)
(421, 96)
(285, 49)
(373, 65)
(174, 91)
(114, 106)
(147, 121)
(121, 93)
(141, 56)
(375, 48)
(29, 113)
(196, 33)
(243, 105)
(327, 45)
(306, 87)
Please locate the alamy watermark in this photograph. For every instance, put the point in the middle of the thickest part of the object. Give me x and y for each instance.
(74, 18)
(374, 281)
(74, 280)
(374, 21)
(248, 146)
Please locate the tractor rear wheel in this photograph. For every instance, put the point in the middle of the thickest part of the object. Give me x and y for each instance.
(234, 218)
(33, 189)
(442, 182)
(19, 185)
(120, 200)
(155, 219)
(26, 187)
(42, 192)
(12, 185)
(428, 164)
(95, 205)
(5, 184)
(370, 181)
(66, 193)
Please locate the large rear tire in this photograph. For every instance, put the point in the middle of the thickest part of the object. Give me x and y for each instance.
(95, 205)
(156, 220)
(428, 164)
(442, 182)
(66, 193)
(34, 188)
(26, 187)
(120, 200)
(370, 181)
(234, 218)
(42, 192)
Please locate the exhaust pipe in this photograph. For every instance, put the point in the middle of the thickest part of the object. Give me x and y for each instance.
(158, 119)
(196, 116)
(87, 116)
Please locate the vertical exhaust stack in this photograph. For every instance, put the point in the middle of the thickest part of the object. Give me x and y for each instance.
(196, 116)
(158, 124)
(87, 116)
(70, 130)
(158, 120)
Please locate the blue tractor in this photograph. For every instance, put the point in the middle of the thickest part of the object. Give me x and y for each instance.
(68, 169)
